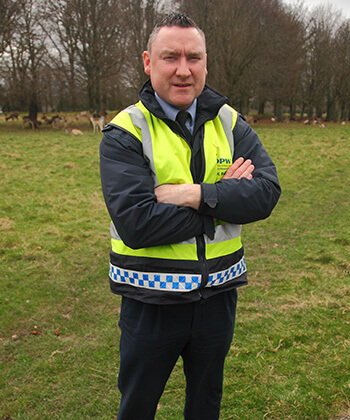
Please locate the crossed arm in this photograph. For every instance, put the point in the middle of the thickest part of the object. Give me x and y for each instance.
(189, 195)
(130, 195)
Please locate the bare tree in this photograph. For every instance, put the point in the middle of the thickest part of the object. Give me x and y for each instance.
(239, 40)
(101, 43)
(89, 39)
(61, 28)
(144, 16)
(9, 10)
(24, 55)
(338, 93)
(317, 74)
(277, 71)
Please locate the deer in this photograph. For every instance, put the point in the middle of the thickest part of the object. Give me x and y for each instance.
(12, 116)
(69, 130)
(27, 119)
(74, 131)
(97, 123)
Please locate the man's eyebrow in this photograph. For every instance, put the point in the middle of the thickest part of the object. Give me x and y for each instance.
(195, 54)
(170, 51)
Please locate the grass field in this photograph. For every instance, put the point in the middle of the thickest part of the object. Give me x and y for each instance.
(290, 357)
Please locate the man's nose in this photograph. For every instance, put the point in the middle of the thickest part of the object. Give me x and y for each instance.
(183, 69)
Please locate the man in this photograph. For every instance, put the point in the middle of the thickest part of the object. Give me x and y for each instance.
(177, 192)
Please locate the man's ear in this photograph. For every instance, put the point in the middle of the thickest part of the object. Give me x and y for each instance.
(147, 63)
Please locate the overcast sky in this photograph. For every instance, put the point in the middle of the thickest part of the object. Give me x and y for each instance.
(342, 5)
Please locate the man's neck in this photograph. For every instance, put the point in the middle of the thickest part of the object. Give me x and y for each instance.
(170, 111)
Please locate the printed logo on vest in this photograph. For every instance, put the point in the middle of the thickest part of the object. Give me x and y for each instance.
(222, 165)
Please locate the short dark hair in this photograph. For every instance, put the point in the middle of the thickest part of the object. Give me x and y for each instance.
(173, 19)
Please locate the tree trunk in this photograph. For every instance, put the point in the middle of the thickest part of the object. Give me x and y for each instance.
(278, 110)
(330, 110)
(292, 111)
(33, 110)
(310, 112)
(261, 108)
(344, 111)
(336, 112)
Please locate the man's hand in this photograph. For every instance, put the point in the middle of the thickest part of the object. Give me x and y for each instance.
(187, 195)
(240, 169)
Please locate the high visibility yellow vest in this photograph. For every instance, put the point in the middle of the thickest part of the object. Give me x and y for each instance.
(169, 158)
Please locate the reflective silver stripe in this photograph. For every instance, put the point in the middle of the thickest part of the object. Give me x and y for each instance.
(173, 282)
(226, 118)
(113, 232)
(115, 235)
(222, 233)
(139, 121)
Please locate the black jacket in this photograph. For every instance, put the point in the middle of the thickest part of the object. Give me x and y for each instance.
(129, 191)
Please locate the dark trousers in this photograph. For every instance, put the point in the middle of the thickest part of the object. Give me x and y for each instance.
(155, 336)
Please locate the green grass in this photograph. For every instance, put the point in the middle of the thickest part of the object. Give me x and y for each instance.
(290, 357)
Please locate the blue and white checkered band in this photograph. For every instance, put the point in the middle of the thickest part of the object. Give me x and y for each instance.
(222, 277)
(173, 282)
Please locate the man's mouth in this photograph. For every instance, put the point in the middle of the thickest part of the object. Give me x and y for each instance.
(182, 85)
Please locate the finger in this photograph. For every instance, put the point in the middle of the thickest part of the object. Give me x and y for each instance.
(242, 169)
(248, 172)
(232, 169)
(236, 164)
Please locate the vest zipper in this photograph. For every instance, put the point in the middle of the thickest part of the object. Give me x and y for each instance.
(196, 174)
(203, 262)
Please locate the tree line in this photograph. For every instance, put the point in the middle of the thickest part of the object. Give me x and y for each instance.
(70, 55)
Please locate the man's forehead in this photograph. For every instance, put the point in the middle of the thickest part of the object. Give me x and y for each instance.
(171, 36)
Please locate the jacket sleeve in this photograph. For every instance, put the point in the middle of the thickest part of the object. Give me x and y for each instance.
(128, 191)
(243, 201)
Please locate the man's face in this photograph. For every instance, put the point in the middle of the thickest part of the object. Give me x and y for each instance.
(177, 65)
